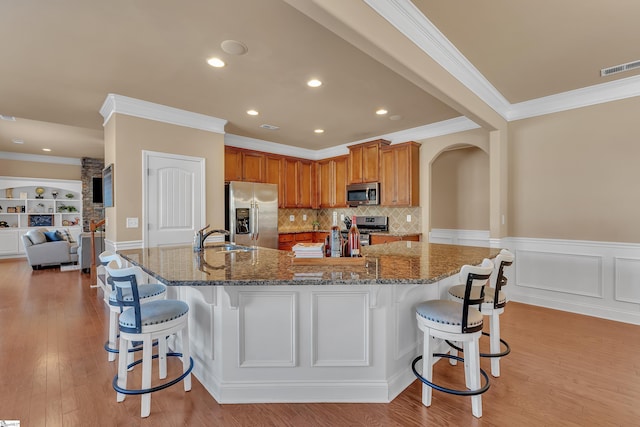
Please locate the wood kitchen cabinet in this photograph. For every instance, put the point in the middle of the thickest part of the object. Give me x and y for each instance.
(286, 241)
(377, 239)
(243, 165)
(273, 174)
(232, 164)
(299, 183)
(332, 182)
(400, 174)
(364, 161)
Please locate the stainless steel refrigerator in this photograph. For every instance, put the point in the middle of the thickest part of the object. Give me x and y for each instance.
(252, 213)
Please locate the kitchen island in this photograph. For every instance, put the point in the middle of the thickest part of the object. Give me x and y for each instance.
(265, 330)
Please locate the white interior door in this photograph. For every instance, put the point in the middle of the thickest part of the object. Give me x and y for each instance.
(174, 198)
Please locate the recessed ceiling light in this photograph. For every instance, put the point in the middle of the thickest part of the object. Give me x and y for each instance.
(314, 83)
(234, 47)
(381, 112)
(17, 141)
(252, 112)
(46, 149)
(216, 62)
(319, 131)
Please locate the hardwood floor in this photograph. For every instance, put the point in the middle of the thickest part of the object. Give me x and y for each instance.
(564, 370)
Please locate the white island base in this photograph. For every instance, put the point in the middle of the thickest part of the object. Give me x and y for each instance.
(307, 343)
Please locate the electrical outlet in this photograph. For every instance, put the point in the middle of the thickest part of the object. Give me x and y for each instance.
(292, 218)
(408, 218)
(304, 217)
(342, 217)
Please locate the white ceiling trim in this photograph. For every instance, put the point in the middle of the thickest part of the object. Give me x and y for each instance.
(446, 127)
(268, 146)
(40, 158)
(592, 95)
(411, 22)
(161, 113)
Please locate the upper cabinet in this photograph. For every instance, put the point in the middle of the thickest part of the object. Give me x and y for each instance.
(332, 182)
(232, 164)
(274, 170)
(299, 183)
(400, 174)
(364, 161)
(306, 183)
(244, 165)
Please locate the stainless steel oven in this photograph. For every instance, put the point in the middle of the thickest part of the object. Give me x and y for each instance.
(367, 225)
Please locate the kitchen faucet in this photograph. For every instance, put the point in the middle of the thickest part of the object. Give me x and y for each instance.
(202, 236)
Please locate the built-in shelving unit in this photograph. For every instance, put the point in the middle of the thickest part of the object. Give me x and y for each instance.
(35, 202)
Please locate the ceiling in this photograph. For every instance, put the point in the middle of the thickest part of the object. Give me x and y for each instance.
(59, 60)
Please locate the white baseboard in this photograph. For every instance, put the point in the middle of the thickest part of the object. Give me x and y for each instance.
(460, 237)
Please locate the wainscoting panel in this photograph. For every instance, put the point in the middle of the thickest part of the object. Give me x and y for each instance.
(599, 279)
(340, 329)
(627, 280)
(571, 273)
(267, 329)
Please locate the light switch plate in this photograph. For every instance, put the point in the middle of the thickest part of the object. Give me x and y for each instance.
(132, 222)
(304, 217)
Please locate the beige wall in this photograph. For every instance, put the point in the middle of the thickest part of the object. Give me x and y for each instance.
(39, 170)
(575, 174)
(460, 190)
(125, 139)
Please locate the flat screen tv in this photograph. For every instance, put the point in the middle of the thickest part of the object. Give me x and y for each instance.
(97, 189)
(107, 185)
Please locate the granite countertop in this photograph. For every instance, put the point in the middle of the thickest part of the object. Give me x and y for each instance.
(393, 233)
(344, 230)
(390, 263)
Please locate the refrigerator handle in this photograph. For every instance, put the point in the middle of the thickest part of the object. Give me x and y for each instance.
(256, 229)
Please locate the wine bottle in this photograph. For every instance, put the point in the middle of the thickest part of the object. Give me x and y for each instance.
(336, 237)
(354, 239)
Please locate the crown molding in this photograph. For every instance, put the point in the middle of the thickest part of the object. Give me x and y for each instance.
(161, 113)
(446, 127)
(412, 23)
(40, 158)
(268, 146)
(592, 95)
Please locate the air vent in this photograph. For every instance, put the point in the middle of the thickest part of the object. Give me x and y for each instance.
(269, 127)
(7, 118)
(619, 68)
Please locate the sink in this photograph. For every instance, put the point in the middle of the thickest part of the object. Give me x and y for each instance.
(228, 248)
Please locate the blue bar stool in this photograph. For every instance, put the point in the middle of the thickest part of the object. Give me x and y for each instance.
(147, 292)
(492, 302)
(449, 320)
(154, 320)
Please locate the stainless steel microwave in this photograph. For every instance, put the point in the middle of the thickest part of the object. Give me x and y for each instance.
(363, 194)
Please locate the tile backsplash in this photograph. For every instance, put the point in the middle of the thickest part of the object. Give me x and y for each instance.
(397, 218)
